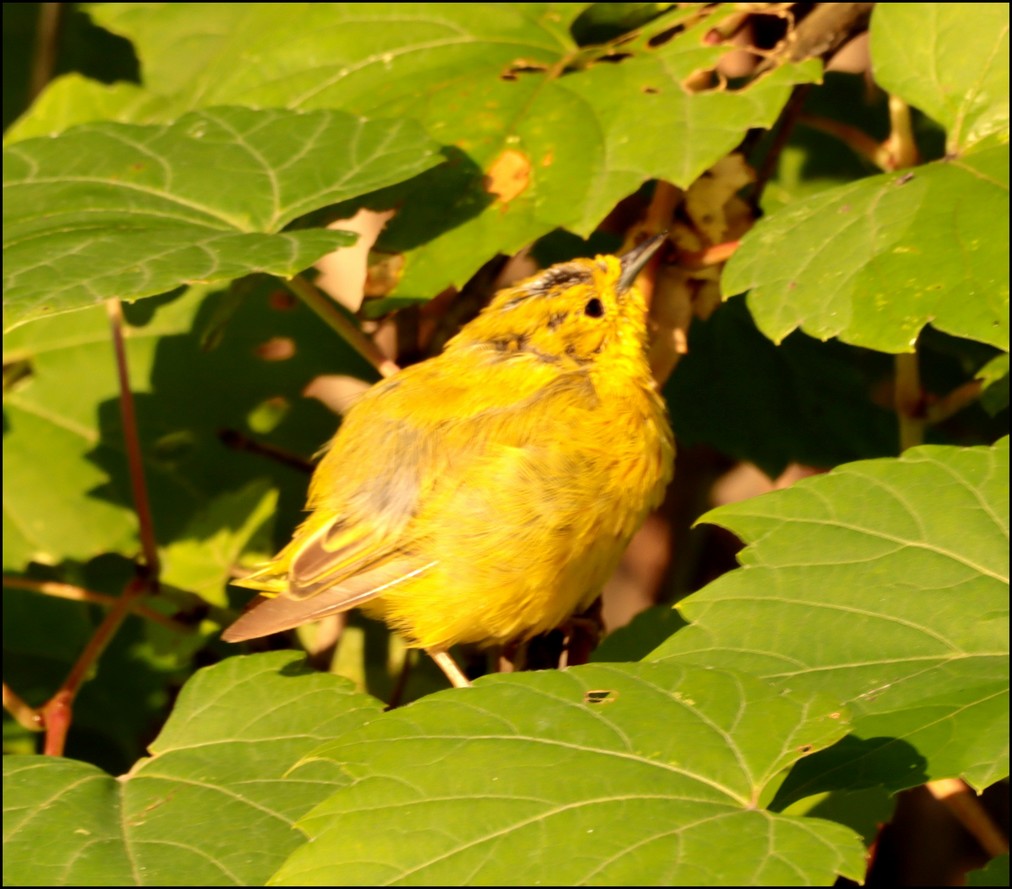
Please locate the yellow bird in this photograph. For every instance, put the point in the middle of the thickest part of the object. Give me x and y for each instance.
(487, 494)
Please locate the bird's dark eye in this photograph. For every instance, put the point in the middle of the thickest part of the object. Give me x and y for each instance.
(593, 309)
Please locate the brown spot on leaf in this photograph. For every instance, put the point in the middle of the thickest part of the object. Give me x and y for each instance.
(509, 175)
(600, 696)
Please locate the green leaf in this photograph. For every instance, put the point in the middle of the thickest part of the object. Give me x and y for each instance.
(813, 160)
(951, 61)
(874, 261)
(202, 559)
(994, 874)
(67, 492)
(994, 376)
(213, 805)
(637, 772)
(74, 99)
(57, 499)
(542, 133)
(639, 637)
(122, 210)
(884, 582)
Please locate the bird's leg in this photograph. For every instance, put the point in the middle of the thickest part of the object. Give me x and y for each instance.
(512, 657)
(583, 632)
(449, 666)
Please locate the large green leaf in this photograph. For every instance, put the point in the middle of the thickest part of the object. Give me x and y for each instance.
(67, 493)
(58, 500)
(128, 211)
(996, 873)
(545, 133)
(874, 261)
(884, 582)
(604, 775)
(203, 559)
(214, 804)
(73, 99)
(950, 60)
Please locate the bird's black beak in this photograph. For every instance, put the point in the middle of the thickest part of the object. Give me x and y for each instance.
(635, 259)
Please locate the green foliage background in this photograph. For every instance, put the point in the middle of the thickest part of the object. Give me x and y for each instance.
(862, 645)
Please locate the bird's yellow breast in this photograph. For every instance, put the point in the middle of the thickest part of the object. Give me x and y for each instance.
(487, 494)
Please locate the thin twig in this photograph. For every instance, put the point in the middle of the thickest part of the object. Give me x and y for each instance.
(789, 118)
(856, 139)
(237, 441)
(131, 438)
(25, 714)
(901, 151)
(57, 714)
(900, 147)
(960, 397)
(329, 312)
(58, 710)
(47, 40)
(80, 594)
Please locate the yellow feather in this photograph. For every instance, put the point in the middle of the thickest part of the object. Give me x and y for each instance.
(487, 494)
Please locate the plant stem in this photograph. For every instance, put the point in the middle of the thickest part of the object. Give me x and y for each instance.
(47, 45)
(131, 438)
(333, 316)
(80, 594)
(958, 797)
(25, 714)
(909, 401)
(855, 139)
(788, 120)
(57, 712)
(900, 146)
(960, 397)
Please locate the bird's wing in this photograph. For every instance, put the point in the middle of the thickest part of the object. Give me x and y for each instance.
(273, 614)
(392, 455)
